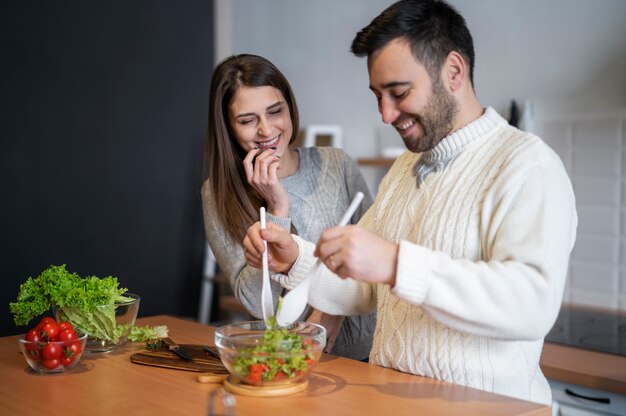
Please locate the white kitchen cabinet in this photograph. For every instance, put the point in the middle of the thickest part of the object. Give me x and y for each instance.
(569, 404)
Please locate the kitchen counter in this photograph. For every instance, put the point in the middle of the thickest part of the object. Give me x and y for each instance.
(596, 370)
(109, 384)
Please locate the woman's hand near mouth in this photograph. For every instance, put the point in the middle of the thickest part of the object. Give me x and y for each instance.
(261, 168)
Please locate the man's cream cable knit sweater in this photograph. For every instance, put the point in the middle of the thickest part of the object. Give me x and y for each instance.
(484, 250)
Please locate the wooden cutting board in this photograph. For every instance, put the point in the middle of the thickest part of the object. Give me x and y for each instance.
(203, 362)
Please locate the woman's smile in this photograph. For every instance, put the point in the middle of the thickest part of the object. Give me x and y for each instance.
(269, 144)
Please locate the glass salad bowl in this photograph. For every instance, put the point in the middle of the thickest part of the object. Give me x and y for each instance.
(108, 327)
(258, 356)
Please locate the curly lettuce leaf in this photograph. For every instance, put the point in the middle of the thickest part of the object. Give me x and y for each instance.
(37, 295)
(148, 333)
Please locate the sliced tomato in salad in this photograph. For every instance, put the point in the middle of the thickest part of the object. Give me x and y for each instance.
(255, 374)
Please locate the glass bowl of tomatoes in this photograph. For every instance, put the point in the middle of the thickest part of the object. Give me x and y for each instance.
(52, 347)
(257, 354)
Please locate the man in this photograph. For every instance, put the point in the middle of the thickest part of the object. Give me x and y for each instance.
(464, 253)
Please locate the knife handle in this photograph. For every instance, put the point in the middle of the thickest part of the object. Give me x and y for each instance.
(176, 349)
(170, 343)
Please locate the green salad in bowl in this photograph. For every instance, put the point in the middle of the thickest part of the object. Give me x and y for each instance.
(261, 355)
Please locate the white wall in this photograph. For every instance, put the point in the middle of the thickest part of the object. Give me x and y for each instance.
(593, 149)
(567, 56)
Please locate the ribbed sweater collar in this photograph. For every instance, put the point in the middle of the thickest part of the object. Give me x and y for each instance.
(451, 146)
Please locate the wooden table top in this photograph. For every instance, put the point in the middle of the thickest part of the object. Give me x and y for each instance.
(109, 384)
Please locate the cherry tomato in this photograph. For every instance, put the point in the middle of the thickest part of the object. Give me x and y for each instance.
(32, 336)
(47, 319)
(67, 335)
(65, 325)
(65, 361)
(51, 350)
(73, 348)
(51, 363)
(49, 331)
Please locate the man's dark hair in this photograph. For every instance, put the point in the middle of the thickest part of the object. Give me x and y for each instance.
(433, 28)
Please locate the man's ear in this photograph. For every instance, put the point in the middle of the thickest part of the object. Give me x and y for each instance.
(454, 71)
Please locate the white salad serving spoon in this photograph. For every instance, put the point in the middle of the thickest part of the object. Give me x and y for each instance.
(267, 303)
(295, 301)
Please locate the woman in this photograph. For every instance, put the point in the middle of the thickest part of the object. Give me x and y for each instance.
(253, 118)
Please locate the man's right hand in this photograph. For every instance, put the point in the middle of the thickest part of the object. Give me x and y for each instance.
(354, 252)
(282, 248)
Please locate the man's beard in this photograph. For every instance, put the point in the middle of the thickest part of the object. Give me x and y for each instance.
(436, 120)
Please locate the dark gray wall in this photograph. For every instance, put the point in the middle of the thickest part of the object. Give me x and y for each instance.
(102, 115)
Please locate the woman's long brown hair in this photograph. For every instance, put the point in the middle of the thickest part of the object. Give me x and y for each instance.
(236, 202)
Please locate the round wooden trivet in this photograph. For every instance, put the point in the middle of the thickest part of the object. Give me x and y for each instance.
(211, 378)
(236, 386)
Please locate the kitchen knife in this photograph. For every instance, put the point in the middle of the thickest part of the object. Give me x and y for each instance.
(210, 352)
(176, 349)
